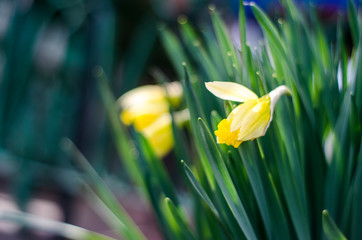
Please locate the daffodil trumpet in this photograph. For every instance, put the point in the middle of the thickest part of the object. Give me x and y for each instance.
(248, 120)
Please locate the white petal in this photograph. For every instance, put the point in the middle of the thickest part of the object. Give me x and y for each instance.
(230, 91)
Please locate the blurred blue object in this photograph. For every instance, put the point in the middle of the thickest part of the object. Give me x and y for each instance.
(269, 4)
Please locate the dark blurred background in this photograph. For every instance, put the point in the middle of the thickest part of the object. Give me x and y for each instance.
(48, 49)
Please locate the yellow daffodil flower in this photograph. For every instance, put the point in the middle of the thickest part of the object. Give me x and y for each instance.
(147, 108)
(159, 133)
(248, 120)
(143, 105)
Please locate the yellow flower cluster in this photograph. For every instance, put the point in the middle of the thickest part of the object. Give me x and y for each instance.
(147, 108)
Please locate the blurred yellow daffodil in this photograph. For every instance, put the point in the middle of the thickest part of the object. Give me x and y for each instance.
(159, 133)
(248, 120)
(143, 105)
(147, 108)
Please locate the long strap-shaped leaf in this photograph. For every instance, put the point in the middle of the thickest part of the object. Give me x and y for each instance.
(47, 225)
(353, 21)
(195, 112)
(227, 49)
(199, 189)
(120, 135)
(198, 52)
(277, 46)
(224, 180)
(330, 228)
(127, 227)
(267, 199)
(178, 217)
(356, 230)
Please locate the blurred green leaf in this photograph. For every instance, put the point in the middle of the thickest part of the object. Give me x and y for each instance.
(127, 227)
(174, 50)
(122, 140)
(199, 53)
(195, 112)
(353, 22)
(180, 219)
(138, 53)
(356, 189)
(227, 49)
(47, 225)
(156, 167)
(330, 228)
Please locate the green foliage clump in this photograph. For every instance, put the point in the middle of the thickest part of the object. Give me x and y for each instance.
(303, 179)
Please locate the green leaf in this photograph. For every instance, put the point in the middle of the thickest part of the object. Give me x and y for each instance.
(264, 190)
(290, 171)
(156, 167)
(123, 142)
(195, 112)
(249, 159)
(66, 230)
(224, 181)
(227, 49)
(199, 189)
(127, 227)
(137, 54)
(330, 228)
(155, 196)
(174, 50)
(269, 28)
(180, 219)
(242, 29)
(283, 61)
(356, 230)
(199, 53)
(336, 171)
(353, 22)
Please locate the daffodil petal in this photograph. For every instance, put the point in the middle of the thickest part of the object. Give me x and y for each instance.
(233, 112)
(241, 115)
(252, 119)
(143, 115)
(141, 95)
(152, 94)
(275, 95)
(230, 91)
(159, 135)
(257, 128)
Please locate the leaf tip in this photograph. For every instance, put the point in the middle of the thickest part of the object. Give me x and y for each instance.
(66, 144)
(325, 213)
(212, 7)
(98, 71)
(161, 26)
(182, 19)
(252, 4)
